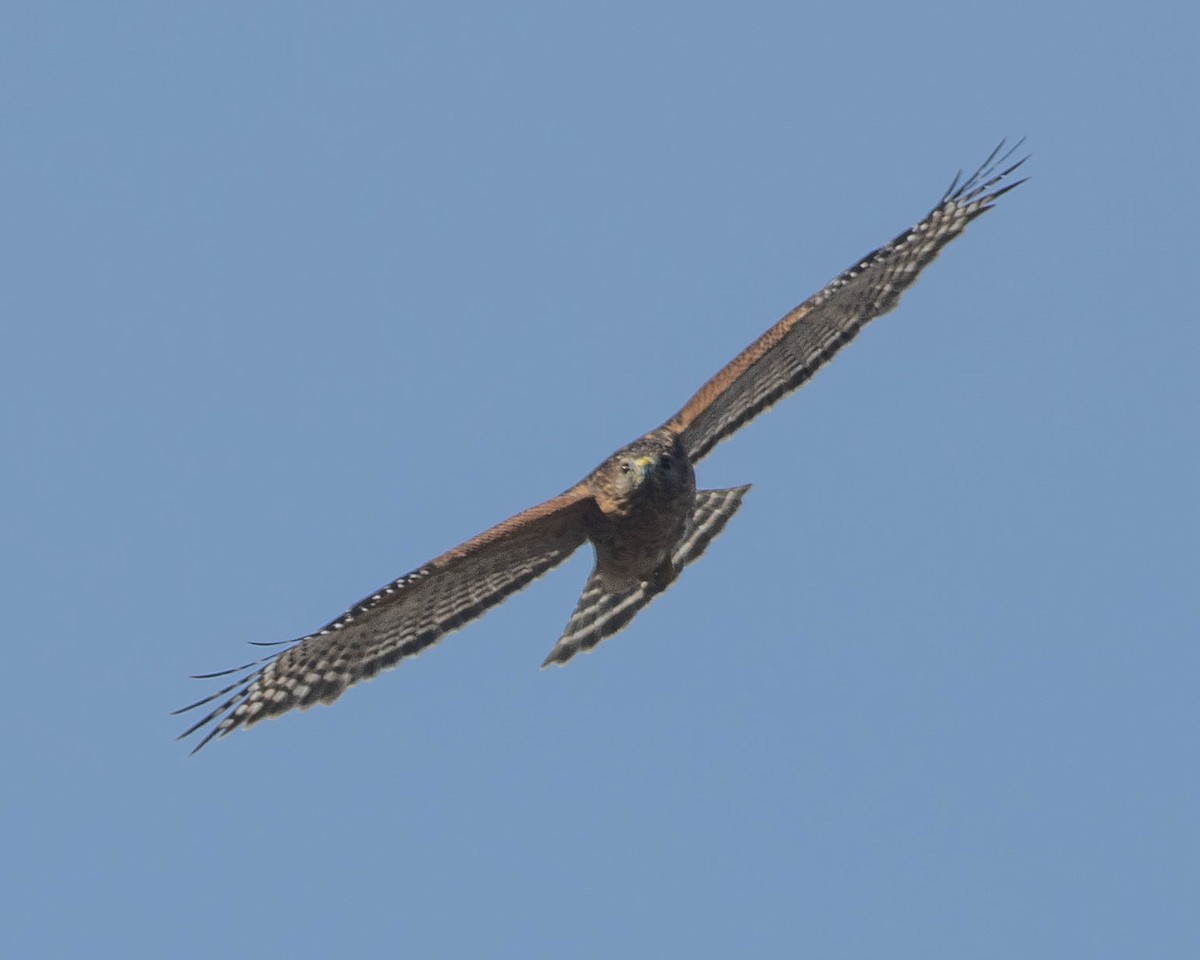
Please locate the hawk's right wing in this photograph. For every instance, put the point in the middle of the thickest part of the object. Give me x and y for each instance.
(403, 618)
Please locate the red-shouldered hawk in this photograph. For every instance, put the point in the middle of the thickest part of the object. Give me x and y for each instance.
(640, 508)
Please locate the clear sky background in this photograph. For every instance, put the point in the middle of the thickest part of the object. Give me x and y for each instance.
(296, 296)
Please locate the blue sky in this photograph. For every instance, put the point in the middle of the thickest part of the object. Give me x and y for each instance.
(298, 296)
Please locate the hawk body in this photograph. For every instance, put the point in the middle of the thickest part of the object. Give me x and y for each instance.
(640, 508)
(646, 493)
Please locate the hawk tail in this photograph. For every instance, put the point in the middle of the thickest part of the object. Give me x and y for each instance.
(599, 614)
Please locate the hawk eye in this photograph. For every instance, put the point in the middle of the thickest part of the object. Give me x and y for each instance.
(665, 462)
(625, 467)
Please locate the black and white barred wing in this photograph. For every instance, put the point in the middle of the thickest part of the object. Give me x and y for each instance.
(600, 614)
(403, 618)
(788, 354)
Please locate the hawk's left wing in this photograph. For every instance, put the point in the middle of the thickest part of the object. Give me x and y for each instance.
(788, 354)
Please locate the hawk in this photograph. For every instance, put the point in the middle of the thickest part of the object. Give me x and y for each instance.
(640, 508)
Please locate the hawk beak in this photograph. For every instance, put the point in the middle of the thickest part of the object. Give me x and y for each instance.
(645, 466)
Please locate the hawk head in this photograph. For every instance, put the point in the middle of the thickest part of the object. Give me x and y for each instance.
(653, 468)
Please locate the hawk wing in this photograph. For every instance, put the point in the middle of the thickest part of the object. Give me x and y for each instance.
(599, 614)
(402, 618)
(788, 354)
